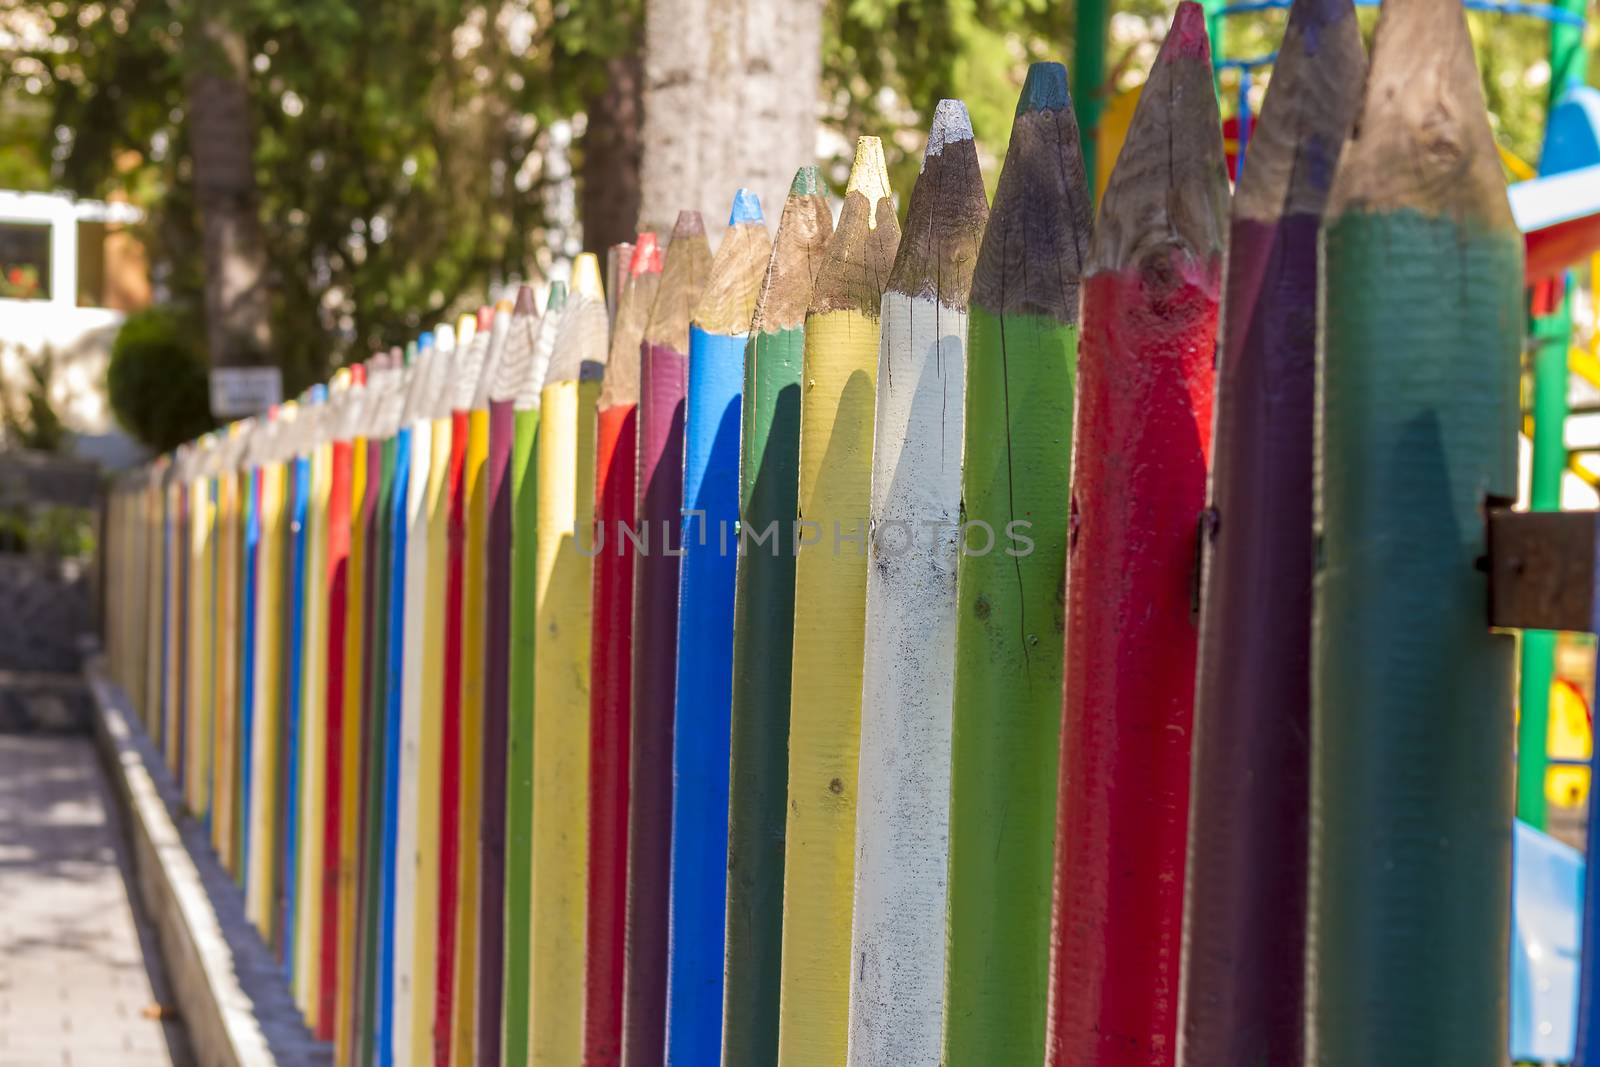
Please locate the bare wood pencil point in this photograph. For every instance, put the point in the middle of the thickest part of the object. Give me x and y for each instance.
(801, 244)
(1169, 189)
(683, 276)
(861, 254)
(944, 223)
(621, 384)
(1037, 239)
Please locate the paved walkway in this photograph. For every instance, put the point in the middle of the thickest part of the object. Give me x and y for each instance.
(80, 981)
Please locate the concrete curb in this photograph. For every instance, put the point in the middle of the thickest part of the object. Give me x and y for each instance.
(230, 991)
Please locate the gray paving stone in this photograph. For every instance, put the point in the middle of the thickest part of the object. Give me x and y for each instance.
(74, 978)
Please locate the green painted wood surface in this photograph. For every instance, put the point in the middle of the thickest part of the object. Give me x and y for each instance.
(373, 765)
(519, 781)
(1007, 714)
(763, 635)
(1411, 781)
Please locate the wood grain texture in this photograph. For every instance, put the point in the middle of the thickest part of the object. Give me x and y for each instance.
(663, 381)
(1140, 450)
(563, 605)
(703, 675)
(908, 673)
(1022, 349)
(836, 410)
(769, 444)
(1411, 693)
(1243, 955)
(611, 661)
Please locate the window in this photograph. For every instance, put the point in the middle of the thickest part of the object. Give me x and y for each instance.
(25, 260)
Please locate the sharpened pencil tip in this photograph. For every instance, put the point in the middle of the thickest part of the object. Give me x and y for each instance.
(746, 207)
(424, 340)
(950, 124)
(807, 181)
(689, 223)
(586, 276)
(1045, 88)
(485, 317)
(557, 298)
(1188, 39)
(466, 328)
(525, 304)
(869, 175)
(646, 256)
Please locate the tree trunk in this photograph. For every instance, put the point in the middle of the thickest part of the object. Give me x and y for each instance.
(610, 193)
(221, 141)
(731, 93)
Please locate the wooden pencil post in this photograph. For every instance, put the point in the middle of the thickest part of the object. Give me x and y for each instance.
(416, 847)
(1244, 910)
(430, 425)
(346, 403)
(663, 381)
(1022, 348)
(351, 851)
(297, 487)
(1411, 792)
(841, 363)
(313, 702)
(569, 386)
(514, 382)
(704, 666)
(908, 678)
(494, 518)
(370, 986)
(611, 658)
(1151, 293)
(769, 445)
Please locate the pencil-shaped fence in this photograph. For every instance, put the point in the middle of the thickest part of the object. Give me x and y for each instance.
(797, 655)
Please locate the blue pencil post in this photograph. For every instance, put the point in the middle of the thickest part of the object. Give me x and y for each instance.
(704, 671)
(395, 668)
(300, 490)
(243, 801)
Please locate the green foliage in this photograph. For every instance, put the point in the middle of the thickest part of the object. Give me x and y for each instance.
(31, 421)
(157, 379)
(397, 149)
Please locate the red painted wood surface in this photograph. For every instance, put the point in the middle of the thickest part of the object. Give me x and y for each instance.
(333, 794)
(610, 718)
(450, 836)
(1139, 482)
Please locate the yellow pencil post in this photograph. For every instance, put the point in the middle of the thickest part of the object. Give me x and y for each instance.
(260, 902)
(565, 473)
(836, 425)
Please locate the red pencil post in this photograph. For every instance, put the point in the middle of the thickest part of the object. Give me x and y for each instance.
(1143, 429)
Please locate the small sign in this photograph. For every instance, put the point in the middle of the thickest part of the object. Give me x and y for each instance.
(240, 391)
